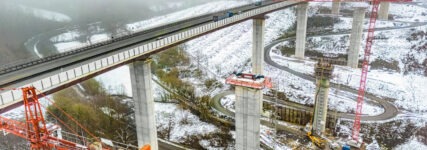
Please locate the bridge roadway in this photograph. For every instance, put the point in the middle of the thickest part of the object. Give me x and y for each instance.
(56, 72)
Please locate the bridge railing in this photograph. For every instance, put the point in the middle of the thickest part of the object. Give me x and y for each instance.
(70, 74)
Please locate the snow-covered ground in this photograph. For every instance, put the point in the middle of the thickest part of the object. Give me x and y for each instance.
(409, 90)
(67, 36)
(149, 23)
(412, 144)
(171, 114)
(303, 91)
(98, 37)
(408, 12)
(67, 46)
(45, 14)
(267, 137)
(345, 24)
(228, 102)
(184, 14)
(230, 48)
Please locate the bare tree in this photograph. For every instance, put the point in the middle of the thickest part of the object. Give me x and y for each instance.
(412, 90)
(125, 135)
(169, 128)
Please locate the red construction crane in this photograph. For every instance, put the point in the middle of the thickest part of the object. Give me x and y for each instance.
(367, 54)
(34, 129)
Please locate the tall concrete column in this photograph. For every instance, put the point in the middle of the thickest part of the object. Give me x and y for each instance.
(140, 73)
(323, 73)
(248, 100)
(356, 37)
(336, 4)
(301, 30)
(383, 12)
(258, 45)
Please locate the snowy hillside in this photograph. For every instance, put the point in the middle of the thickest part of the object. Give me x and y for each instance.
(45, 14)
(184, 14)
(230, 48)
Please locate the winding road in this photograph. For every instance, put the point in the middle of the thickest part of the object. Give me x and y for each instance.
(390, 110)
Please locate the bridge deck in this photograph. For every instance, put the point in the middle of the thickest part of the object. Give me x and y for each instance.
(68, 70)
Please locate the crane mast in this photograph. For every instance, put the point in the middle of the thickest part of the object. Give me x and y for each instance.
(365, 68)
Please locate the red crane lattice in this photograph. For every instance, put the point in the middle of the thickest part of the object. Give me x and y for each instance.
(34, 129)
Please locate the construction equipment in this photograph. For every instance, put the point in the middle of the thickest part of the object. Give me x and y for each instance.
(367, 53)
(40, 135)
(318, 141)
(146, 147)
(34, 129)
(323, 70)
(249, 80)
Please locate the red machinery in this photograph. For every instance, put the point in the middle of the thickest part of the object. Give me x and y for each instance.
(249, 80)
(34, 129)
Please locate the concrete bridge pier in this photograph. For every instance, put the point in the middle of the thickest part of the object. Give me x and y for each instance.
(383, 12)
(140, 72)
(356, 37)
(301, 30)
(336, 4)
(248, 103)
(248, 100)
(258, 44)
(323, 71)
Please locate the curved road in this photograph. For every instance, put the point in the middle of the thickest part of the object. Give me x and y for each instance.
(390, 111)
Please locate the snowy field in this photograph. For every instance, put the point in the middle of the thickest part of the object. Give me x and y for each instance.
(147, 24)
(409, 90)
(412, 145)
(345, 24)
(171, 114)
(184, 14)
(45, 14)
(228, 102)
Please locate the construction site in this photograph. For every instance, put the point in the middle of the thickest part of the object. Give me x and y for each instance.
(222, 74)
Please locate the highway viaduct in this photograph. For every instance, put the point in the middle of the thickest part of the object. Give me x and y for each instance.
(53, 73)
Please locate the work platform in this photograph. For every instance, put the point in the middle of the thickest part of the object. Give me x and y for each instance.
(254, 81)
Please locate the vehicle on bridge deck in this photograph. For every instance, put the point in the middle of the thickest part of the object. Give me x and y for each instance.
(226, 15)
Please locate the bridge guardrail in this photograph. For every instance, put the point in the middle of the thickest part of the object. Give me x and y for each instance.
(9, 97)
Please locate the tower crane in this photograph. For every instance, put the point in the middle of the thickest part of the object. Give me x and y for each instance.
(34, 129)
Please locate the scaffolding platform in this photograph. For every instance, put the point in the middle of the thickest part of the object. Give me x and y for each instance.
(254, 81)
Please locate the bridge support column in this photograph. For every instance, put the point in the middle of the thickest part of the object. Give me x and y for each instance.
(301, 30)
(140, 72)
(323, 73)
(383, 13)
(336, 7)
(248, 101)
(258, 44)
(356, 37)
